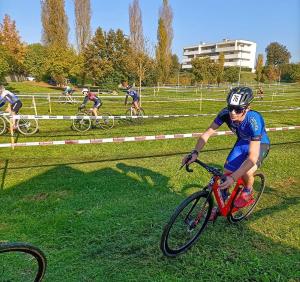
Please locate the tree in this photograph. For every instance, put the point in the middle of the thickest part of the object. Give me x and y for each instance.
(4, 66)
(61, 63)
(11, 43)
(82, 19)
(162, 57)
(164, 38)
(259, 67)
(277, 54)
(55, 23)
(136, 27)
(272, 72)
(96, 62)
(166, 14)
(205, 70)
(231, 74)
(140, 47)
(34, 62)
(221, 62)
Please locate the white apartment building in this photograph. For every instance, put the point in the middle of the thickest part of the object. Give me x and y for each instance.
(236, 53)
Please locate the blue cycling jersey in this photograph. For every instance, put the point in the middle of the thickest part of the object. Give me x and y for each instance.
(252, 128)
(8, 96)
(133, 94)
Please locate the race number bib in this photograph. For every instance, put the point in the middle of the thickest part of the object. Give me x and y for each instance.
(235, 99)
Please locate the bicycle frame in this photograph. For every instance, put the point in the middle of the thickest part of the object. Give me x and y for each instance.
(225, 208)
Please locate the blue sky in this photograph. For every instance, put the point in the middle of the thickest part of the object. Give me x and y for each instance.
(261, 21)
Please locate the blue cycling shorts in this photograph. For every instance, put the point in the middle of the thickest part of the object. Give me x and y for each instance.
(239, 154)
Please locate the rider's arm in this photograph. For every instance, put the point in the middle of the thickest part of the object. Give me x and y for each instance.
(205, 136)
(254, 149)
(200, 143)
(126, 98)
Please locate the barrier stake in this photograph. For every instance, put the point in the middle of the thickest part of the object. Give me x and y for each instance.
(11, 129)
(34, 105)
(49, 101)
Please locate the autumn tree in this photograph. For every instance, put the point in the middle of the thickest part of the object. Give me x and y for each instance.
(34, 62)
(55, 23)
(141, 62)
(277, 54)
(221, 62)
(164, 38)
(82, 20)
(61, 63)
(12, 46)
(259, 68)
(162, 58)
(205, 70)
(96, 61)
(231, 74)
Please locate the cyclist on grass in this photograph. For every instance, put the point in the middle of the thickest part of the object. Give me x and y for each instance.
(133, 94)
(250, 149)
(90, 96)
(68, 91)
(13, 100)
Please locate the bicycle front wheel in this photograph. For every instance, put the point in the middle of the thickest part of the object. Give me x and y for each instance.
(22, 262)
(81, 124)
(27, 126)
(258, 188)
(186, 224)
(106, 122)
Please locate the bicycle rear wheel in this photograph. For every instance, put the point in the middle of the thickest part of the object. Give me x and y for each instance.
(258, 189)
(106, 122)
(21, 261)
(27, 126)
(186, 224)
(81, 124)
(3, 127)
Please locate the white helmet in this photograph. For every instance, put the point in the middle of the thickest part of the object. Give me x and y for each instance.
(84, 90)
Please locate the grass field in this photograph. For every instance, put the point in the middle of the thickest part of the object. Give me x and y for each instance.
(97, 211)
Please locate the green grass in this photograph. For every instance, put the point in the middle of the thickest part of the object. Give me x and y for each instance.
(98, 211)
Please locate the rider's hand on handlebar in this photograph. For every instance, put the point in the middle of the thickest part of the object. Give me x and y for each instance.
(191, 157)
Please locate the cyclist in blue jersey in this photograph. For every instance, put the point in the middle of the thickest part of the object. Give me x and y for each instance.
(90, 96)
(13, 100)
(250, 149)
(133, 94)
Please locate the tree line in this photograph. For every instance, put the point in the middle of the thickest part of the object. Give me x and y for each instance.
(108, 57)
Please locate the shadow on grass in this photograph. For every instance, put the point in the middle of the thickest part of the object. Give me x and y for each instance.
(92, 223)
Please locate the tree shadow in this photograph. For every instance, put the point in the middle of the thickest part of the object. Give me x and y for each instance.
(90, 223)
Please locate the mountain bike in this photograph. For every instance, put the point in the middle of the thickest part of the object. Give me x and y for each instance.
(24, 126)
(135, 115)
(190, 218)
(21, 262)
(80, 124)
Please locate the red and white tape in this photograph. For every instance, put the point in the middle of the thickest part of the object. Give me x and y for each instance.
(80, 117)
(130, 139)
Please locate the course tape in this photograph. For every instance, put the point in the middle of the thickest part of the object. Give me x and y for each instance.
(131, 117)
(131, 139)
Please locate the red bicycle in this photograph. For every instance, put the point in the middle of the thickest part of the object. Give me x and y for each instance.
(191, 217)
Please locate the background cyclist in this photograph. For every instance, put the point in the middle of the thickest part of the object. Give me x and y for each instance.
(13, 100)
(251, 147)
(133, 94)
(68, 91)
(90, 96)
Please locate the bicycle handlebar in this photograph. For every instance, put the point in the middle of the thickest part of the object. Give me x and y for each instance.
(213, 170)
